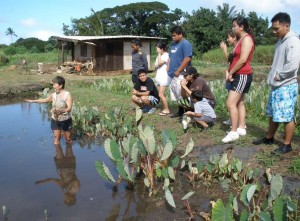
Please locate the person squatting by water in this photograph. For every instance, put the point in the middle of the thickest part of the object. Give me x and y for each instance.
(239, 75)
(282, 79)
(144, 93)
(62, 103)
(203, 113)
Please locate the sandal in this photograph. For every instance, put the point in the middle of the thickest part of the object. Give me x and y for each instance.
(163, 113)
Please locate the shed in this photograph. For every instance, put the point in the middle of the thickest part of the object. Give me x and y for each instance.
(108, 53)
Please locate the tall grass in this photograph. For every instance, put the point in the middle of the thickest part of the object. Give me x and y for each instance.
(46, 57)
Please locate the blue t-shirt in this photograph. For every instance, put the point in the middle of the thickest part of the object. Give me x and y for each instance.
(179, 51)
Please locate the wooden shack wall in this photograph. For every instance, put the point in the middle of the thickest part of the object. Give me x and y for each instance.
(111, 54)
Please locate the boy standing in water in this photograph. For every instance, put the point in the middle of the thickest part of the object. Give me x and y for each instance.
(62, 103)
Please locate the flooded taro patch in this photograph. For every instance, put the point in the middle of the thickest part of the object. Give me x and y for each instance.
(39, 181)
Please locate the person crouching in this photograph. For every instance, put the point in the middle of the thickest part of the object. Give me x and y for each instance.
(204, 114)
(144, 93)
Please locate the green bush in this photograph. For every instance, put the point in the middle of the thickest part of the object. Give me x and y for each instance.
(10, 50)
(3, 59)
(263, 54)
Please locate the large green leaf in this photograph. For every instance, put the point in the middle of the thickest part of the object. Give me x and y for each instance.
(235, 205)
(188, 195)
(134, 153)
(243, 196)
(276, 187)
(251, 192)
(103, 171)
(169, 135)
(244, 215)
(221, 213)
(188, 148)
(169, 198)
(264, 216)
(280, 210)
(171, 173)
(175, 162)
(138, 114)
(164, 172)
(115, 150)
(147, 136)
(146, 182)
(168, 150)
(121, 169)
(182, 164)
(224, 161)
(108, 149)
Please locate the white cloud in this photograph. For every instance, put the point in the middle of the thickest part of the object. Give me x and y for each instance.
(41, 34)
(30, 22)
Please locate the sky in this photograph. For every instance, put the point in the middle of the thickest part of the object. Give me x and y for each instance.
(42, 19)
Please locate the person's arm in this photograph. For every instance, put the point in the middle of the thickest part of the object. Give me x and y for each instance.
(145, 62)
(186, 90)
(183, 65)
(43, 100)
(247, 45)
(223, 46)
(193, 114)
(49, 180)
(69, 103)
(291, 63)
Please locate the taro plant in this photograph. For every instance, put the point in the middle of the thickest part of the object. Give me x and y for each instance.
(85, 120)
(257, 201)
(117, 124)
(143, 155)
(114, 85)
(222, 168)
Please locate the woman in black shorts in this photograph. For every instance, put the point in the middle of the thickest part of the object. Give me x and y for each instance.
(62, 102)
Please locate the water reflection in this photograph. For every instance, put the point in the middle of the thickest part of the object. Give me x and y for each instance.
(66, 168)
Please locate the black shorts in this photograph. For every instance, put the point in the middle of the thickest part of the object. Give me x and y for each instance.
(241, 83)
(65, 125)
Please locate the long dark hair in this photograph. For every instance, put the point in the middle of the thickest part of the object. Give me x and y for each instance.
(242, 21)
(162, 45)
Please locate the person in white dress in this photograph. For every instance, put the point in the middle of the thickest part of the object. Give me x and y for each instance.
(162, 78)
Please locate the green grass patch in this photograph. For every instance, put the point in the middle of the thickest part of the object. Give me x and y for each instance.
(294, 167)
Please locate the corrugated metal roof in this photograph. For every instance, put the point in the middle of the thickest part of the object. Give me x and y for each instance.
(89, 38)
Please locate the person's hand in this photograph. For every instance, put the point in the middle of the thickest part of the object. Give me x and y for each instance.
(189, 113)
(134, 92)
(183, 82)
(223, 45)
(228, 76)
(30, 101)
(176, 73)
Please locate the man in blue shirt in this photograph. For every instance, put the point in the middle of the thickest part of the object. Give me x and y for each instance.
(181, 52)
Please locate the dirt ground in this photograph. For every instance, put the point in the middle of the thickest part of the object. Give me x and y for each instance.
(206, 143)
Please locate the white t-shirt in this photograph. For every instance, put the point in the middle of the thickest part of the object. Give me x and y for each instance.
(162, 77)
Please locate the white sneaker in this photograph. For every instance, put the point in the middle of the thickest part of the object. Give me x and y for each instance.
(185, 121)
(227, 122)
(231, 136)
(241, 131)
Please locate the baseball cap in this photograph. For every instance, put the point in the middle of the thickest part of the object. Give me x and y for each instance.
(189, 70)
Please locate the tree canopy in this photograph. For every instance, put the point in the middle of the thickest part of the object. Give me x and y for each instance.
(205, 28)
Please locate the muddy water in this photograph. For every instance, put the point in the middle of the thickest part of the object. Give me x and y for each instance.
(68, 187)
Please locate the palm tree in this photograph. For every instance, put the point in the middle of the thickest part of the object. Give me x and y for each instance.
(226, 11)
(10, 32)
(225, 15)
